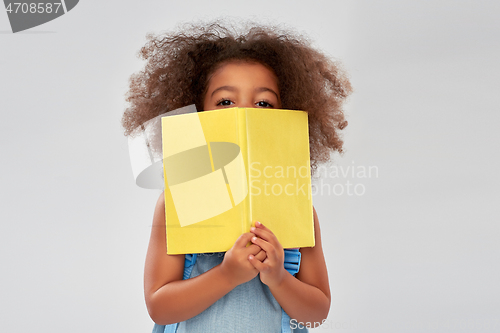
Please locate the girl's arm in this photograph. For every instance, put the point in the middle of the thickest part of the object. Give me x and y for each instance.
(306, 297)
(170, 299)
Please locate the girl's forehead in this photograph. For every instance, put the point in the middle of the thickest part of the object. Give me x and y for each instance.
(243, 73)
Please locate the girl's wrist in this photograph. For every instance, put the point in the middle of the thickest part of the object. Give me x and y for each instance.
(279, 282)
(225, 277)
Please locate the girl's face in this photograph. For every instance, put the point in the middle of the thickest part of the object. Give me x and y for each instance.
(242, 84)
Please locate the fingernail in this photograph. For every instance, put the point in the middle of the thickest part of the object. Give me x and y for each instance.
(254, 239)
(258, 223)
(250, 257)
(252, 229)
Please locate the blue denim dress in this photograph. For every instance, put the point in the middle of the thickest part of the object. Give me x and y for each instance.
(250, 307)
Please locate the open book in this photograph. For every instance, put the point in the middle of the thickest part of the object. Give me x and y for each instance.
(225, 169)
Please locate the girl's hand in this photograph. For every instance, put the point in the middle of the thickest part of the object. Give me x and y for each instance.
(272, 270)
(235, 265)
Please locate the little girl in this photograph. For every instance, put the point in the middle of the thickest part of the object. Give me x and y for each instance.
(246, 289)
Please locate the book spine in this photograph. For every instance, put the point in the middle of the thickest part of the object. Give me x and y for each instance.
(246, 220)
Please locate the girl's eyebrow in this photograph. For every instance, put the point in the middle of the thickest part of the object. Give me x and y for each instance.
(263, 89)
(229, 88)
(233, 89)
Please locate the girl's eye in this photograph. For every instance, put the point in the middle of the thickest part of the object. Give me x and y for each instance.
(224, 102)
(264, 104)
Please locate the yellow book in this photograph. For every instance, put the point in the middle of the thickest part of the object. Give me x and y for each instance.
(225, 169)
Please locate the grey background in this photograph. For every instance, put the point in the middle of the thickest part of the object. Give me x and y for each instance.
(417, 252)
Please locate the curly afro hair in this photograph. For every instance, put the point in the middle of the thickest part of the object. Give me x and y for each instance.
(179, 65)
